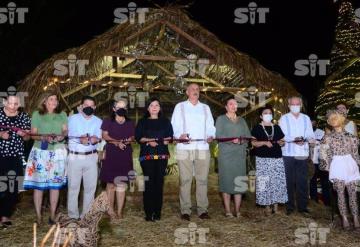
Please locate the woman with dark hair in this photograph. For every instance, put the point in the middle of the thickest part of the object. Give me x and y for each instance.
(117, 164)
(45, 168)
(232, 155)
(270, 171)
(150, 132)
(11, 154)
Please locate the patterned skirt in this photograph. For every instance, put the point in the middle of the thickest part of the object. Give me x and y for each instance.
(270, 181)
(46, 169)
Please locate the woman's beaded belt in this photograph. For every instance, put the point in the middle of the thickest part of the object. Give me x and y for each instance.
(154, 157)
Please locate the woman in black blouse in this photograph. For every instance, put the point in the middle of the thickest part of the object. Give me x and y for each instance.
(270, 171)
(11, 154)
(154, 154)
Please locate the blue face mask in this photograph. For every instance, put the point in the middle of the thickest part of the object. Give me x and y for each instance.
(267, 118)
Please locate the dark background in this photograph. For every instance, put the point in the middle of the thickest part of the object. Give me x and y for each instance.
(294, 29)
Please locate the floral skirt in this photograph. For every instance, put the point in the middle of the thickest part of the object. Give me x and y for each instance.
(46, 169)
(270, 181)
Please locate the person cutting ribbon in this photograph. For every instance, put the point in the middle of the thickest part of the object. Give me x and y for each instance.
(118, 162)
(83, 157)
(153, 132)
(45, 169)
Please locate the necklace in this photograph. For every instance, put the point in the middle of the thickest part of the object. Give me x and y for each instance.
(271, 136)
(231, 118)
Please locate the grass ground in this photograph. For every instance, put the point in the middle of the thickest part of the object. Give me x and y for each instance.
(252, 229)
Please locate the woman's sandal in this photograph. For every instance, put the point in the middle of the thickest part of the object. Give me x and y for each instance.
(229, 215)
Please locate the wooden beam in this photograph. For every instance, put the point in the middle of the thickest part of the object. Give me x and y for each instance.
(143, 30)
(82, 86)
(92, 95)
(152, 57)
(63, 98)
(74, 90)
(257, 106)
(212, 100)
(190, 38)
(152, 77)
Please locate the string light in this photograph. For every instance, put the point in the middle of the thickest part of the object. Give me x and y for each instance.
(345, 84)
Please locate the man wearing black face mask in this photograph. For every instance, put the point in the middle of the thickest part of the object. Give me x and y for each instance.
(82, 163)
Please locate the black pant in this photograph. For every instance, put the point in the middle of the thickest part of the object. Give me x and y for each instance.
(324, 182)
(11, 178)
(296, 182)
(154, 172)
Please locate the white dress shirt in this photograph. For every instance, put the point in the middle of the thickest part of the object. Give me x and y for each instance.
(78, 125)
(319, 134)
(195, 120)
(296, 127)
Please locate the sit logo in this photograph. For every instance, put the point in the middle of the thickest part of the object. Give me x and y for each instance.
(191, 66)
(10, 181)
(312, 66)
(12, 14)
(70, 65)
(123, 15)
(189, 234)
(312, 234)
(12, 91)
(250, 96)
(252, 14)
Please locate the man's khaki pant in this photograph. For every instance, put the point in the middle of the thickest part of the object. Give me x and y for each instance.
(193, 162)
(81, 167)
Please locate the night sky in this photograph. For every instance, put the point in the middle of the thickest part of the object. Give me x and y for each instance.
(294, 29)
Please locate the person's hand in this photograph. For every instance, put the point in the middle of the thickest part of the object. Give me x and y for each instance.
(5, 135)
(209, 139)
(59, 138)
(94, 140)
(236, 141)
(121, 145)
(268, 144)
(84, 139)
(22, 133)
(312, 142)
(183, 137)
(299, 141)
(281, 143)
(153, 144)
(49, 138)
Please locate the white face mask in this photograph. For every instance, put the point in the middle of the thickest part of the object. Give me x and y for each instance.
(267, 117)
(295, 108)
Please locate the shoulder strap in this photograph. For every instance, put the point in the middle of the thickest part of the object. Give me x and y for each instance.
(205, 113)
(183, 116)
(288, 132)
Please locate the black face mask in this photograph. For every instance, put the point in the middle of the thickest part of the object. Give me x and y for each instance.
(121, 112)
(88, 110)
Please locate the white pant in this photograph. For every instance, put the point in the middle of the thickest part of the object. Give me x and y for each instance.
(81, 167)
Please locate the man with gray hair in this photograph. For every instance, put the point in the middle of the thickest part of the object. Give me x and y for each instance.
(299, 133)
(193, 120)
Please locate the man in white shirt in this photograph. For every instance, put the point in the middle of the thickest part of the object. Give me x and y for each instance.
(83, 157)
(322, 175)
(298, 134)
(192, 119)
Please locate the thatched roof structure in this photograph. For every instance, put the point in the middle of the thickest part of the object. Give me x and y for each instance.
(143, 55)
